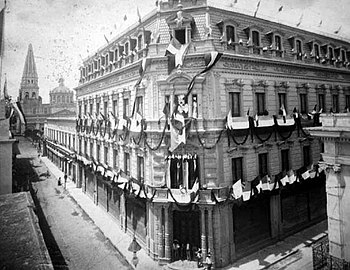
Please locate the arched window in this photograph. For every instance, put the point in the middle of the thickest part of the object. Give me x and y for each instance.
(26, 95)
(33, 95)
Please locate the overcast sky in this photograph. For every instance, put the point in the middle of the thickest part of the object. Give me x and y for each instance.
(63, 32)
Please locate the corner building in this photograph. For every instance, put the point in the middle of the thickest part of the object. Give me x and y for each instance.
(152, 192)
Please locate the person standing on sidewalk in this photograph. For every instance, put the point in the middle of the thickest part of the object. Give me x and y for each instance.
(65, 181)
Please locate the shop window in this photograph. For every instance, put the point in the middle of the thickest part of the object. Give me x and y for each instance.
(235, 104)
(303, 103)
(260, 98)
(140, 169)
(285, 160)
(237, 169)
(263, 166)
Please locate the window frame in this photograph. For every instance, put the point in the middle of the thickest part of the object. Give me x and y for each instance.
(262, 95)
(238, 112)
(263, 158)
(237, 174)
(140, 169)
(285, 160)
(127, 163)
(303, 102)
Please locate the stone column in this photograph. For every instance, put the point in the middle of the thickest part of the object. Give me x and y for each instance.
(210, 235)
(160, 233)
(335, 133)
(167, 234)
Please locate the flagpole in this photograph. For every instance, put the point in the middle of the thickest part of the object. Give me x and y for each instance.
(2, 42)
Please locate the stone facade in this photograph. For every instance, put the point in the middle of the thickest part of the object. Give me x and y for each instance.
(261, 68)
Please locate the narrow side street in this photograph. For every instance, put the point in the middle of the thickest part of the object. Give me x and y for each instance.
(73, 240)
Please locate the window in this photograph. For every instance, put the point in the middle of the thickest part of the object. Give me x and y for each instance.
(126, 108)
(306, 155)
(166, 109)
(303, 103)
(347, 101)
(331, 55)
(126, 48)
(343, 56)
(91, 108)
(97, 108)
(80, 152)
(317, 52)
(26, 95)
(115, 158)
(98, 151)
(139, 42)
(85, 108)
(278, 45)
(33, 95)
(91, 149)
(180, 35)
(260, 98)
(282, 100)
(105, 107)
(256, 38)
(79, 109)
(237, 169)
(263, 170)
(127, 163)
(106, 155)
(139, 105)
(335, 103)
(140, 169)
(85, 148)
(321, 102)
(299, 49)
(230, 37)
(115, 107)
(235, 104)
(285, 160)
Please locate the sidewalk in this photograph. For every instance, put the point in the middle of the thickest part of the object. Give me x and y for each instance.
(290, 253)
(104, 221)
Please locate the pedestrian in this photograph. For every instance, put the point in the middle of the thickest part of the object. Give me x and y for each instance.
(65, 180)
(59, 181)
(188, 252)
(208, 261)
(199, 258)
(176, 247)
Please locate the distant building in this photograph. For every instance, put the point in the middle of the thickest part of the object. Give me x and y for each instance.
(59, 129)
(31, 102)
(185, 184)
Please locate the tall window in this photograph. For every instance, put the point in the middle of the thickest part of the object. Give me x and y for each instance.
(91, 108)
(282, 100)
(115, 158)
(140, 169)
(139, 42)
(235, 104)
(331, 54)
(256, 42)
(317, 52)
(299, 49)
(80, 151)
(115, 108)
(230, 36)
(126, 112)
(139, 105)
(79, 109)
(237, 169)
(263, 166)
(180, 35)
(85, 148)
(335, 103)
(321, 102)
(105, 107)
(260, 98)
(97, 108)
(347, 101)
(278, 45)
(285, 160)
(98, 151)
(127, 163)
(91, 149)
(303, 103)
(126, 48)
(306, 155)
(106, 155)
(85, 108)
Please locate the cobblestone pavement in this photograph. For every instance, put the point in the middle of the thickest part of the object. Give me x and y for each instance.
(81, 243)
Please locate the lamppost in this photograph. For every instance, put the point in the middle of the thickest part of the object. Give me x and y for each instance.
(134, 247)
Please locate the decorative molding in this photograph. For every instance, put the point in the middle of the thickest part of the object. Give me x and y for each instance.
(324, 166)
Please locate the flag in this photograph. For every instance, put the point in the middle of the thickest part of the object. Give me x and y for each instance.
(6, 95)
(229, 121)
(237, 190)
(280, 9)
(2, 17)
(305, 175)
(17, 107)
(291, 176)
(210, 60)
(195, 186)
(337, 31)
(106, 39)
(257, 8)
(247, 191)
(265, 183)
(176, 136)
(138, 14)
(175, 53)
(284, 113)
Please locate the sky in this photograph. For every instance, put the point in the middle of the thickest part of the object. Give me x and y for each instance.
(64, 32)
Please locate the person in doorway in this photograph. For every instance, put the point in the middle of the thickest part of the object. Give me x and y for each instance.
(208, 261)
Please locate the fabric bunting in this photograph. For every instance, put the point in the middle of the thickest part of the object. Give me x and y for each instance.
(237, 190)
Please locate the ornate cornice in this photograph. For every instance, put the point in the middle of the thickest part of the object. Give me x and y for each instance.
(324, 166)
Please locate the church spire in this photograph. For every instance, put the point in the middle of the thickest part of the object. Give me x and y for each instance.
(30, 75)
(29, 84)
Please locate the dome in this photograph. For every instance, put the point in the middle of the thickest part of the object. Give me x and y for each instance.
(61, 88)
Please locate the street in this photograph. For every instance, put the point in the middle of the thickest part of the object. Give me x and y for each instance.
(73, 240)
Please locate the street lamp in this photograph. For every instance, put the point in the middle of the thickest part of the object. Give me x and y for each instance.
(134, 247)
